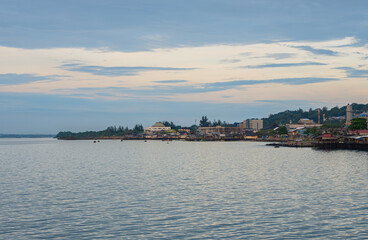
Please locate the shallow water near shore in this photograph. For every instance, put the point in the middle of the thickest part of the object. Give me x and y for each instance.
(179, 190)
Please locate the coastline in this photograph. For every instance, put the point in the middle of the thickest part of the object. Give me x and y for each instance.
(318, 145)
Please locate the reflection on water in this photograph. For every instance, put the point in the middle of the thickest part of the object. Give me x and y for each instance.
(136, 189)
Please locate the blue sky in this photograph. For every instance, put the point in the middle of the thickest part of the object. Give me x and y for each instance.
(87, 64)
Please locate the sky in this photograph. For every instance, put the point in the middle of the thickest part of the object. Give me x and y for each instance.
(86, 64)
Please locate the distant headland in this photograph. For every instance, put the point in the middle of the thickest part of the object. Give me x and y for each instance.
(3, 135)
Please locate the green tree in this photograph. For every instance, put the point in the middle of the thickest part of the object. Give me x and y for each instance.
(282, 130)
(333, 124)
(204, 122)
(268, 132)
(312, 131)
(193, 129)
(358, 124)
(138, 128)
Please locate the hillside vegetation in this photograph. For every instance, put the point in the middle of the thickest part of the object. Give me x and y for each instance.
(285, 116)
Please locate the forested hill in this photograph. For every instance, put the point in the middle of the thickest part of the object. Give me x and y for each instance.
(286, 116)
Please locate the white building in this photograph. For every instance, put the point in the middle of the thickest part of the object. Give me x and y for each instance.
(157, 127)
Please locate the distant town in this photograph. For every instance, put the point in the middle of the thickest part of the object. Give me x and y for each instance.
(334, 128)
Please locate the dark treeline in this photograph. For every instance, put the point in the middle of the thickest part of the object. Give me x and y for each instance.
(204, 122)
(171, 124)
(108, 132)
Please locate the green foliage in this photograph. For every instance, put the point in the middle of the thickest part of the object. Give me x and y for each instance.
(171, 124)
(333, 124)
(282, 130)
(193, 129)
(108, 132)
(268, 132)
(204, 122)
(138, 128)
(312, 131)
(358, 124)
(285, 117)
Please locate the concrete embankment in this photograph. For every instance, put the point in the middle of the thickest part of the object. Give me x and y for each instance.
(341, 145)
(323, 145)
(292, 144)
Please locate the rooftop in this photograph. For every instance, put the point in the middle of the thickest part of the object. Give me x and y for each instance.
(158, 124)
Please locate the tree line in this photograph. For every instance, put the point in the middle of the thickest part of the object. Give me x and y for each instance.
(108, 132)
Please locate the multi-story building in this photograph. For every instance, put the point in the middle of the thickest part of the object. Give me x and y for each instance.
(254, 124)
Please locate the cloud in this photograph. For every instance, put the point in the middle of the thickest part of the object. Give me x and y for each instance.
(354, 73)
(276, 65)
(318, 51)
(15, 79)
(286, 81)
(116, 71)
(279, 56)
(144, 92)
(170, 90)
(129, 25)
(291, 103)
(286, 101)
(171, 81)
(301, 81)
(230, 60)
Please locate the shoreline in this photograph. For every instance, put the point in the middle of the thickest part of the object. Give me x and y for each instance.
(269, 142)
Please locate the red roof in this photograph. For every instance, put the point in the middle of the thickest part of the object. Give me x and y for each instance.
(326, 135)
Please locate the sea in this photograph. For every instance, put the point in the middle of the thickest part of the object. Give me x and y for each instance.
(54, 189)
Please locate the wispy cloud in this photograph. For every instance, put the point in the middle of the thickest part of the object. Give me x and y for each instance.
(318, 51)
(234, 60)
(15, 79)
(300, 103)
(170, 90)
(171, 81)
(301, 81)
(285, 101)
(354, 73)
(286, 81)
(116, 71)
(277, 65)
(144, 92)
(279, 56)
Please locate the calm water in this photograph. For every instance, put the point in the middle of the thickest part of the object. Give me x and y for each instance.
(181, 190)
